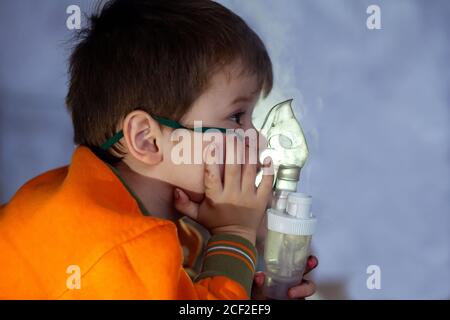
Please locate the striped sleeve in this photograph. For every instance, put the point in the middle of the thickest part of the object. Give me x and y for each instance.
(231, 256)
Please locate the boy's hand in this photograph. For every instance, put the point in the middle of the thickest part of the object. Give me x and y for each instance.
(305, 289)
(235, 206)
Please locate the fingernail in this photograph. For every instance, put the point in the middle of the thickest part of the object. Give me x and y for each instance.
(312, 262)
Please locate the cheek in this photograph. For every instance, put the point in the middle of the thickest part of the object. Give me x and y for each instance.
(187, 176)
(190, 178)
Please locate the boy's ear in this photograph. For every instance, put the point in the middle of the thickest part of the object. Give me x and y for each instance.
(143, 137)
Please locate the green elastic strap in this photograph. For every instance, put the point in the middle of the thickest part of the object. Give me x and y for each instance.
(164, 121)
(108, 144)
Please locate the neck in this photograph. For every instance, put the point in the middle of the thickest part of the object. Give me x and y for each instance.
(155, 195)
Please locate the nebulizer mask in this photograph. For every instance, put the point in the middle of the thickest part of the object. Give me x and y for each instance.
(286, 143)
(290, 222)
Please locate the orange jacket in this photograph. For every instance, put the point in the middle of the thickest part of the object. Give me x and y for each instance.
(77, 233)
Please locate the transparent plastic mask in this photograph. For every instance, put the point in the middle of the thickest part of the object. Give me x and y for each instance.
(286, 143)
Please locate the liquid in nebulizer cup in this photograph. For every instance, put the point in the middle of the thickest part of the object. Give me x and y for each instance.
(290, 221)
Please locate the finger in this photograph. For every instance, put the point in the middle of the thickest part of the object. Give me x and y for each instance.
(233, 161)
(262, 145)
(303, 290)
(184, 205)
(212, 181)
(311, 264)
(248, 173)
(265, 186)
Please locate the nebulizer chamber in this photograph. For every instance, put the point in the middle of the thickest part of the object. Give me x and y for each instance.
(290, 222)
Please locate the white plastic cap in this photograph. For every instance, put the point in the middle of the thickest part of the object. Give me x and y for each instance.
(287, 224)
(299, 205)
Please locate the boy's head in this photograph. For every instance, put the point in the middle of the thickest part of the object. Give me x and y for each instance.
(182, 60)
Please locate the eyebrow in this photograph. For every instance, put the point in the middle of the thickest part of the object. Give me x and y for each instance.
(244, 98)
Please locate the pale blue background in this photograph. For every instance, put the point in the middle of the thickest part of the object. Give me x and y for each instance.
(374, 106)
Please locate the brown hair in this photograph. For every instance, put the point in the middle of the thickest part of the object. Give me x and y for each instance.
(157, 56)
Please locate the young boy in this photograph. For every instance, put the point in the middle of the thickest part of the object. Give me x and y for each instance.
(104, 227)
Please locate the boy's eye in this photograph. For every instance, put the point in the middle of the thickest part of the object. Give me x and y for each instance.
(237, 117)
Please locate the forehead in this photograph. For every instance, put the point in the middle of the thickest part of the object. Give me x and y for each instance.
(230, 85)
(233, 78)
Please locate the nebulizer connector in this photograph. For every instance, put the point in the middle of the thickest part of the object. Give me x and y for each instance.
(290, 222)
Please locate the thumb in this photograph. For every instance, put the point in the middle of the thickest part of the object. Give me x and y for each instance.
(185, 205)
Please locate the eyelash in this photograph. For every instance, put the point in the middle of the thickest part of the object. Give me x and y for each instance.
(237, 116)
